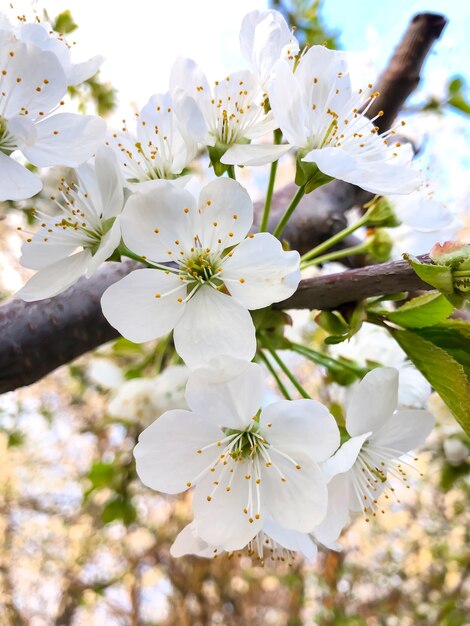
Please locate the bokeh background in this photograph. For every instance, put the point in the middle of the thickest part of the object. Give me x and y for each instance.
(82, 541)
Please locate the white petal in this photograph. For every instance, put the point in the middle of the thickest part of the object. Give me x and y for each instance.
(107, 246)
(226, 214)
(167, 457)
(79, 72)
(38, 253)
(23, 129)
(37, 70)
(345, 457)
(260, 272)
(263, 37)
(55, 278)
(373, 401)
(405, 430)
(66, 139)
(300, 502)
(288, 105)
(222, 521)
(254, 154)
(109, 181)
(159, 224)
(303, 429)
(376, 176)
(228, 389)
(337, 514)
(214, 324)
(291, 539)
(16, 182)
(131, 305)
(189, 542)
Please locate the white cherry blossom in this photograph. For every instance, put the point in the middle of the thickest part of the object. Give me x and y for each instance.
(85, 232)
(32, 83)
(248, 465)
(44, 37)
(320, 115)
(230, 113)
(159, 148)
(265, 37)
(217, 273)
(381, 436)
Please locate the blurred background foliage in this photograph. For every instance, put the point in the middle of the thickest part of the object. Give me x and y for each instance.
(85, 543)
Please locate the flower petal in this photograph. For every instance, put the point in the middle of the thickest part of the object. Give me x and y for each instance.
(344, 458)
(405, 430)
(167, 457)
(55, 278)
(214, 324)
(373, 401)
(260, 272)
(66, 139)
(254, 154)
(131, 305)
(337, 514)
(79, 72)
(303, 429)
(300, 502)
(159, 223)
(41, 81)
(16, 182)
(288, 105)
(109, 181)
(226, 214)
(221, 520)
(189, 542)
(291, 539)
(230, 390)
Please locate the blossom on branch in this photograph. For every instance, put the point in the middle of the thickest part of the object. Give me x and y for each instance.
(216, 274)
(32, 84)
(84, 233)
(249, 466)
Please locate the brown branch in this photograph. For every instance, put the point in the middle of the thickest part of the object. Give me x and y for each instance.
(35, 338)
(334, 290)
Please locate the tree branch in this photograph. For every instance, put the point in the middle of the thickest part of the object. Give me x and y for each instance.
(37, 337)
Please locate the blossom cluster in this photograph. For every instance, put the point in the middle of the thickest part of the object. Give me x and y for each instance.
(277, 478)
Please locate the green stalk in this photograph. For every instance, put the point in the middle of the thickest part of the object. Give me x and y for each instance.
(322, 359)
(288, 212)
(333, 240)
(269, 192)
(274, 374)
(289, 374)
(339, 254)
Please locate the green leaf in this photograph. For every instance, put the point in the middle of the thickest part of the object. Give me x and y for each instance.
(119, 508)
(64, 23)
(444, 373)
(101, 475)
(426, 310)
(439, 276)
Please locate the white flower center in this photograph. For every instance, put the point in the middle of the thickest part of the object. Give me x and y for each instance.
(233, 111)
(245, 455)
(8, 143)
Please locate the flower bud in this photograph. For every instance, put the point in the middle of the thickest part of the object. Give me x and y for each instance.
(379, 246)
(380, 213)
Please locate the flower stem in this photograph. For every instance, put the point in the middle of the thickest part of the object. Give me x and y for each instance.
(289, 374)
(322, 359)
(231, 172)
(269, 192)
(334, 256)
(275, 375)
(124, 251)
(288, 212)
(314, 252)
